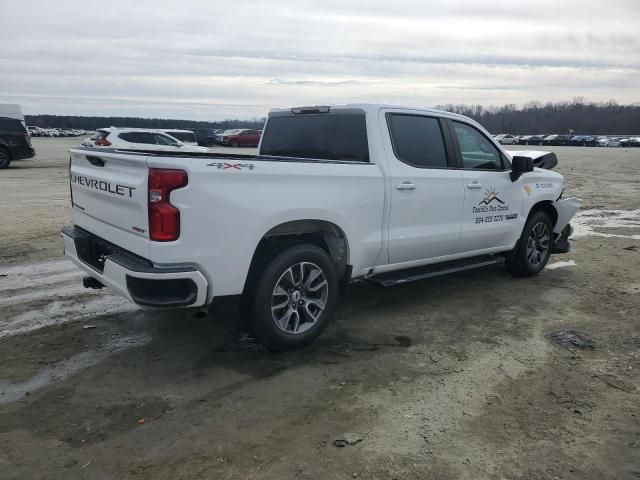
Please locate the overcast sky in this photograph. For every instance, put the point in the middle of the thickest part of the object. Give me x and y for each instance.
(209, 59)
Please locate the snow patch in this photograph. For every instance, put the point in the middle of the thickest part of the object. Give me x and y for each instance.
(587, 223)
(568, 263)
(50, 293)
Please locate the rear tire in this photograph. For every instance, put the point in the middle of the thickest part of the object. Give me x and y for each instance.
(534, 247)
(294, 298)
(5, 159)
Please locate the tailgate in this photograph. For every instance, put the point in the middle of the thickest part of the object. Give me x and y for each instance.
(109, 197)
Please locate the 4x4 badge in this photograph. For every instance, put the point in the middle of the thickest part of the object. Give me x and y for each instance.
(231, 166)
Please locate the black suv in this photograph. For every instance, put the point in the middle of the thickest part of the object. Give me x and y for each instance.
(15, 141)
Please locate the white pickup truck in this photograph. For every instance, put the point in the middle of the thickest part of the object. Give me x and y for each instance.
(336, 194)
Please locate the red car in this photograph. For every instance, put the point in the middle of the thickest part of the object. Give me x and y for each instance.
(242, 138)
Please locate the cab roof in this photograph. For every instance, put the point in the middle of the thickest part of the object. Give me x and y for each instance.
(367, 107)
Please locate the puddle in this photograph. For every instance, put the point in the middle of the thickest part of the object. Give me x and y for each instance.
(568, 263)
(589, 223)
(10, 392)
(572, 338)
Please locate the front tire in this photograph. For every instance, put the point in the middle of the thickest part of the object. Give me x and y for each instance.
(5, 159)
(295, 298)
(534, 247)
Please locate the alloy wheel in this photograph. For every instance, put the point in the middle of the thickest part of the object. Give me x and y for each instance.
(299, 298)
(538, 244)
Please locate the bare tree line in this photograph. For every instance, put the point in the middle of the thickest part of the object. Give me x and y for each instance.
(578, 116)
(93, 123)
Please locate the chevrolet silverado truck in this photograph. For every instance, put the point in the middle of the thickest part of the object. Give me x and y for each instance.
(336, 194)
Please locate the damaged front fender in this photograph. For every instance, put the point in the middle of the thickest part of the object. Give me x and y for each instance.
(566, 210)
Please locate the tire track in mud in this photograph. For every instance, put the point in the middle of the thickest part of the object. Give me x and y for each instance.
(38, 295)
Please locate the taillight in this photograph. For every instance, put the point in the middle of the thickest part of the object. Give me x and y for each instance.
(103, 142)
(164, 218)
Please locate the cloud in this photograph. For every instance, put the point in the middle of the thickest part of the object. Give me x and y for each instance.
(210, 60)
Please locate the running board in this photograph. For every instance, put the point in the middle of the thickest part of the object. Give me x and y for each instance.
(399, 277)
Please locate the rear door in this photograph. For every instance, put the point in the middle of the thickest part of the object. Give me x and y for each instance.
(109, 196)
(492, 202)
(426, 188)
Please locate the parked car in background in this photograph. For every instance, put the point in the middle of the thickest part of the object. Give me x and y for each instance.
(507, 139)
(608, 142)
(185, 136)
(630, 142)
(206, 137)
(556, 139)
(242, 138)
(139, 139)
(15, 141)
(583, 141)
(226, 133)
(533, 139)
(35, 131)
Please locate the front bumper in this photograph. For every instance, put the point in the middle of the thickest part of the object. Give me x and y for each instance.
(561, 243)
(133, 277)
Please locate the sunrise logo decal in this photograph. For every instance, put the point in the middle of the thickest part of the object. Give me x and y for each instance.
(490, 196)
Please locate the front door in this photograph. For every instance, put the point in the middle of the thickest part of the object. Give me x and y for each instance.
(426, 189)
(492, 202)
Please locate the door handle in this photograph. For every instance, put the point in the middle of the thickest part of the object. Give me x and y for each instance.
(406, 186)
(474, 185)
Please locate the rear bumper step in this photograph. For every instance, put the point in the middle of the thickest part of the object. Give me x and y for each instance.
(132, 276)
(419, 273)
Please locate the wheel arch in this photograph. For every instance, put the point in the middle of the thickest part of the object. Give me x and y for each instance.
(322, 233)
(546, 206)
(5, 148)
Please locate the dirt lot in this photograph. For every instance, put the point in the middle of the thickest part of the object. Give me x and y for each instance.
(450, 378)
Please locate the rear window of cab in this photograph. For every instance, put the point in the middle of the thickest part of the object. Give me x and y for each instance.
(326, 136)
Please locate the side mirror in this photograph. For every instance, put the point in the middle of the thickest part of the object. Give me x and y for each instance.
(520, 165)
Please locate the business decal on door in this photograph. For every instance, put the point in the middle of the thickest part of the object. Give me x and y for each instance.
(492, 208)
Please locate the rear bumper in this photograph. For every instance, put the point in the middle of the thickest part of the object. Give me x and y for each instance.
(133, 277)
(22, 153)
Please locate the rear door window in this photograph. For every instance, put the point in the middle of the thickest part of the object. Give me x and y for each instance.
(417, 140)
(318, 136)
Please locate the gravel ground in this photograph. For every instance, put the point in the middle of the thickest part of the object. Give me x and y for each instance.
(449, 378)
